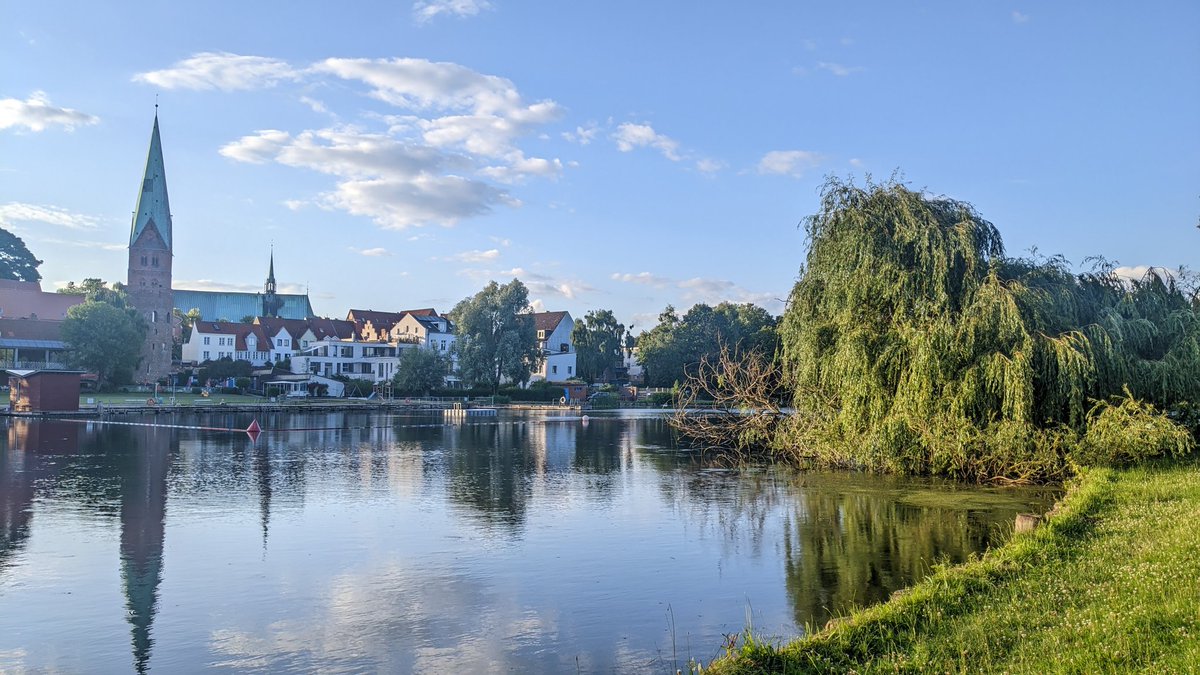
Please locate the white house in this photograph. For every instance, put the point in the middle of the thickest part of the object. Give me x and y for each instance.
(554, 341)
(212, 340)
(375, 361)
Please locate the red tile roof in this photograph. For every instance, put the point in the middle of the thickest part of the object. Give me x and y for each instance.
(547, 321)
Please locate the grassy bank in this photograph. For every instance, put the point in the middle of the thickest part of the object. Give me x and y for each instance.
(1111, 583)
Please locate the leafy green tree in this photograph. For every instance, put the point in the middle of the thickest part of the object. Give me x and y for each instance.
(420, 371)
(598, 340)
(224, 368)
(677, 345)
(912, 343)
(16, 262)
(98, 290)
(105, 339)
(496, 339)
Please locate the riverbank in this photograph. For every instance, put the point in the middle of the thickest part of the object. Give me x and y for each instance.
(1111, 582)
(131, 404)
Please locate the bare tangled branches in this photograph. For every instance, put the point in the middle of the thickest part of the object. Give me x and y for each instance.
(732, 404)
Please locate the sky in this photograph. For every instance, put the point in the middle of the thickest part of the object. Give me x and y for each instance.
(611, 155)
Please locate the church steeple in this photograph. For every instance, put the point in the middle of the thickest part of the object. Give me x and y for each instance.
(150, 253)
(153, 209)
(271, 303)
(271, 275)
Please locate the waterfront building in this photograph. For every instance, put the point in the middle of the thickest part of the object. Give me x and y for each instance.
(557, 348)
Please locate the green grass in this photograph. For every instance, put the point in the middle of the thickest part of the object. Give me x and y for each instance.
(1111, 583)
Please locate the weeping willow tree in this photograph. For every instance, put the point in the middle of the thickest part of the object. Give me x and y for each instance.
(912, 343)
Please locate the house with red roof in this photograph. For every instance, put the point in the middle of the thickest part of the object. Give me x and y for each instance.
(553, 331)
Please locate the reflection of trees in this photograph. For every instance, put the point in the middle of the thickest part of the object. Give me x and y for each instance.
(598, 448)
(488, 467)
(30, 453)
(851, 548)
(845, 539)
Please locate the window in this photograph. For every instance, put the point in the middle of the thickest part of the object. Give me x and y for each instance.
(569, 369)
(443, 345)
(206, 357)
(143, 261)
(154, 261)
(554, 369)
(206, 338)
(564, 347)
(541, 335)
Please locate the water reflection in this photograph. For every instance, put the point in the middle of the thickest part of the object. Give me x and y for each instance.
(352, 542)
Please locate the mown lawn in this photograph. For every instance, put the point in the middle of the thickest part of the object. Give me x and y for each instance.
(1110, 584)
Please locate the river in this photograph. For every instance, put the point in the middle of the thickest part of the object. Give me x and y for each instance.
(384, 542)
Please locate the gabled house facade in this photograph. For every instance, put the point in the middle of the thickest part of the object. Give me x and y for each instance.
(553, 334)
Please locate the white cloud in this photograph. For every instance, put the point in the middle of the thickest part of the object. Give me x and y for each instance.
(13, 213)
(315, 105)
(36, 113)
(425, 199)
(427, 10)
(569, 289)
(476, 256)
(582, 134)
(1139, 272)
(339, 152)
(645, 278)
(789, 162)
(709, 166)
(422, 84)
(838, 69)
(220, 70)
(714, 291)
(707, 290)
(376, 252)
(436, 163)
(1018, 17)
(856, 163)
(629, 136)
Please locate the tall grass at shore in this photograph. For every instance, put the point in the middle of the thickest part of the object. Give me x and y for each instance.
(1111, 583)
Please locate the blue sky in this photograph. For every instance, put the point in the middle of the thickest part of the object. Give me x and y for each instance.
(620, 155)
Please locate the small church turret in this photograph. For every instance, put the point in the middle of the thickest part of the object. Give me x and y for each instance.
(150, 253)
(271, 303)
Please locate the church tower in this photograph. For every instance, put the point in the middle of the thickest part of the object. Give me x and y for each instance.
(271, 303)
(150, 254)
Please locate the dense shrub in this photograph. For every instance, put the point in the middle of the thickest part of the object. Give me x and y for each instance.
(1129, 432)
(660, 398)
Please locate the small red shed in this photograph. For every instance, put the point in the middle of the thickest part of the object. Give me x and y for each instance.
(43, 390)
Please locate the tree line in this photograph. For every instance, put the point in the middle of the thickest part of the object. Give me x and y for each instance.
(912, 342)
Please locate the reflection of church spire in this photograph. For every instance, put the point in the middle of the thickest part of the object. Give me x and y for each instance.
(143, 511)
(262, 472)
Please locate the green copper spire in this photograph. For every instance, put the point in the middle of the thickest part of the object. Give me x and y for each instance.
(153, 209)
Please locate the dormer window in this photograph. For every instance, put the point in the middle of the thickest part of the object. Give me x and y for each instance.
(541, 335)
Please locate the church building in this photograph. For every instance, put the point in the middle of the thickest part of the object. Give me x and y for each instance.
(149, 280)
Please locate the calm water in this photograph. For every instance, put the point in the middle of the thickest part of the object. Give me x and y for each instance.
(397, 543)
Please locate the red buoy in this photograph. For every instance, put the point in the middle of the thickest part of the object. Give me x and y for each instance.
(253, 428)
